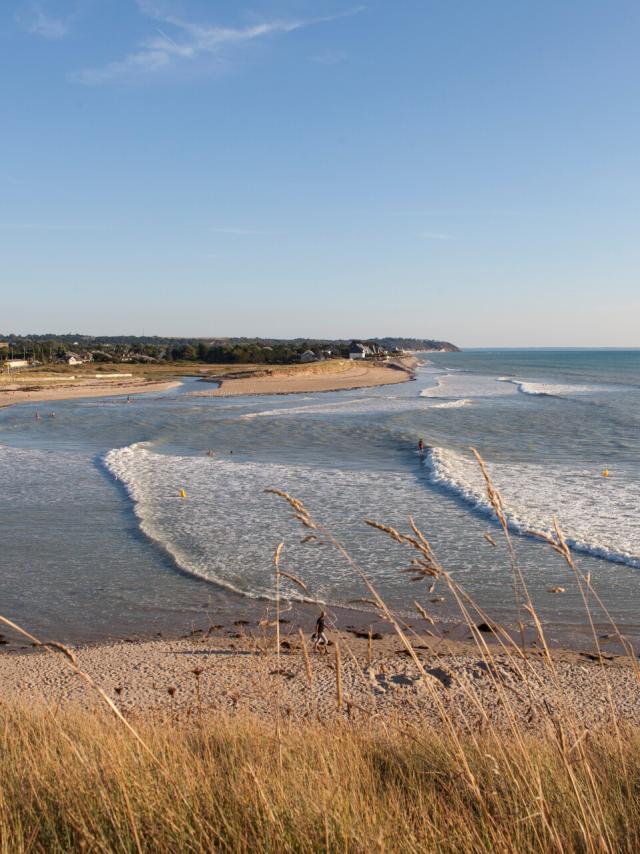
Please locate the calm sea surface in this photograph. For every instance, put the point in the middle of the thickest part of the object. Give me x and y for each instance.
(96, 542)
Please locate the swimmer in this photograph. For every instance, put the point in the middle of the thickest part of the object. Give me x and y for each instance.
(420, 446)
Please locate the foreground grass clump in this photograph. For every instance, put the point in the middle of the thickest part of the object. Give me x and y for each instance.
(81, 782)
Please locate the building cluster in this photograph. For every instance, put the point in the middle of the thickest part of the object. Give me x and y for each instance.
(371, 350)
(9, 362)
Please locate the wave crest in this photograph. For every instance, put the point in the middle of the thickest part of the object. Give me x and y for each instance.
(597, 515)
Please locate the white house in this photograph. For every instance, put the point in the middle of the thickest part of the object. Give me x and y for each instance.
(358, 351)
(16, 363)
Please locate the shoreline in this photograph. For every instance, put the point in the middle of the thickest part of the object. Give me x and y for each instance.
(280, 380)
(341, 376)
(33, 393)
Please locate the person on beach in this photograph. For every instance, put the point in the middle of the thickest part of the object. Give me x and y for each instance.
(318, 637)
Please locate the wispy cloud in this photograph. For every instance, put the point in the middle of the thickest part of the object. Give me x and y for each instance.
(35, 17)
(187, 41)
(434, 235)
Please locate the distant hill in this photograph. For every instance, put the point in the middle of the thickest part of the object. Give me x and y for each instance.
(421, 344)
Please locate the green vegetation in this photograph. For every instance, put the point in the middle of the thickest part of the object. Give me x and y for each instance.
(56, 349)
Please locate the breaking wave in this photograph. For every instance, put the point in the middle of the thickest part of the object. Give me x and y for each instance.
(548, 389)
(597, 515)
(452, 404)
(464, 385)
(226, 528)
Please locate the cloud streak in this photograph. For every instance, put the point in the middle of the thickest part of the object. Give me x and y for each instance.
(186, 42)
(34, 18)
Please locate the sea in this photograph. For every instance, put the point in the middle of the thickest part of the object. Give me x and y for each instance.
(115, 521)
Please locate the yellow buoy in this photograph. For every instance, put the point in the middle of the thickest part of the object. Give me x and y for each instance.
(183, 493)
(605, 473)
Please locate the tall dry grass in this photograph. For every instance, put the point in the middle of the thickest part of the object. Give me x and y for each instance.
(106, 782)
(74, 782)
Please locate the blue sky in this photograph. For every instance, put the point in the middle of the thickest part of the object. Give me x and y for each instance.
(457, 169)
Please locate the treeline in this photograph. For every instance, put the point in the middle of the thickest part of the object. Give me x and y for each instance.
(45, 349)
(56, 348)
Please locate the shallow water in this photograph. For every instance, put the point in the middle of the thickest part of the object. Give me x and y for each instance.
(96, 541)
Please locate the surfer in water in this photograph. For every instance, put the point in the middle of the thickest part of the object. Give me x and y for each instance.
(420, 446)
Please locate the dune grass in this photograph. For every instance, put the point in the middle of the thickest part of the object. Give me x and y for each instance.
(79, 782)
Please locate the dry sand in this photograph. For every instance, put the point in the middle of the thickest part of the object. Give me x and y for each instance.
(35, 391)
(238, 671)
(326, 376)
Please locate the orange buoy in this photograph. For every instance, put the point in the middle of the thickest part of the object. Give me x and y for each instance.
(183, 493)
(605, 473)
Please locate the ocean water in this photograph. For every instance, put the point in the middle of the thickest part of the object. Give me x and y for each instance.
(96, 541)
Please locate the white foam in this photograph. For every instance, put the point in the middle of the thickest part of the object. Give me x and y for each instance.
(311, 409)
(540, 389)
(463, 385)
(597, 515)
(452, 404)
(227, 528)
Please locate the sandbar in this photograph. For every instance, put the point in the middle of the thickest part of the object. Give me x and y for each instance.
(324, 376)
(36, 391)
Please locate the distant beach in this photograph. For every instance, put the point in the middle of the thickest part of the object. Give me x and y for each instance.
(36, 390)
(333, 375)
(323, 376)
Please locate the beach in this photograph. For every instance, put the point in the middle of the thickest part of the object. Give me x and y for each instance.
(337, 375)
(333, 375)
(35, 390)
(237, 671)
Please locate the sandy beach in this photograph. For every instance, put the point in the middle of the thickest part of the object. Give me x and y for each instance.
(237, 671)
(323, 376)
(35, 390)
